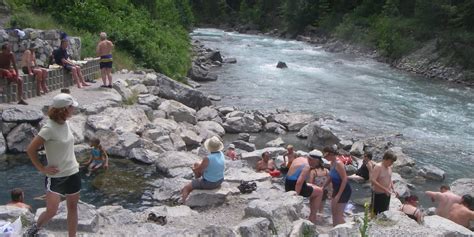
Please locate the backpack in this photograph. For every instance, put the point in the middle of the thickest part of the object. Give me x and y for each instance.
(247, 187)
(345, 159)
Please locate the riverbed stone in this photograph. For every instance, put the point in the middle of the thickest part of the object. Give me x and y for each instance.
(88, 218)
(244, 137)
(243, 145)
(304, 131)
(10, 213)
(77, 124)
(208, 129)
(3, 145)
(21, 115)
(463, 186)
(246, 123)
(143, 155)
(20, 137)
(230, 60)
(274, 127)
(281, 65)
(209, 198)
(208, 114)
(213, 230)
(320, 136)
(432, 172)
(255, 227)
(152, 101)
(175, 159)
(357, 149)
(234, 175)
(293, 121)
(178, 111)
(276, 142)
(402, 158)
(140, 88)
(125, 143)
(120, 120)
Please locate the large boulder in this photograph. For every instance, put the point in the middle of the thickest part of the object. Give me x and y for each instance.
(209, 129)
(255, 227)
(432, 172)
(173, 90)
(190, 138)
(463, 186)
(175, 159)
(168, 126)
(20, 137)
(21, 115)
(320, 136)
(402, 158)
(243, 145)
(210, 198)
(3, 145)
(357, 149)
(244, 174)
(445, 227)
(77, 124)
(152, 101)
(199, 74)
(246, 123)
(208, 114)
(293, 121)
(121, 87)
(168, 189)
(88, 218)
(11, 213)
(400, 185)
(143, 155)
(178, 111)
(98, 107)
(275, 127)
(304, 131)
(120, 120)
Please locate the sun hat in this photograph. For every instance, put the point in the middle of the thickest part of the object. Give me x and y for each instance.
(315, 154)
(63, 100)
(213, 144)
(231, 146)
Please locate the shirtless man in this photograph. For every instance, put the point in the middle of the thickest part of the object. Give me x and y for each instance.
(445, 200)
(18, 197)
(290, 155)
(7, 60)
(382, 185)
(104, 50)
(29, 67)
(265, 164)
(460, 213)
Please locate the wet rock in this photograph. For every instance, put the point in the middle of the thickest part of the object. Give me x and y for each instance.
(247, 123)
(281, 64)
(143, 155)
(274, 127)
(276, 143)
(432, 172)
(321, 136)
(215, 56)
(230, 60)
(175, 159)
(463, 186)
(21, 115)
(255, 227)
(357, 148)
(242, 145)
(178, 111)
(200, 74)
(20, 137)
(88, 218)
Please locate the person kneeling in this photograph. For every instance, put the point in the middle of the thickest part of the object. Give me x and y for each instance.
(209, 174)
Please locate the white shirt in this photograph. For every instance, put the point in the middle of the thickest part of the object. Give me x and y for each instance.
(59, 146)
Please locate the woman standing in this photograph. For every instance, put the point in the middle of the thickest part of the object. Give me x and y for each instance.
(319, 176)
(62, 170)
(341, 190)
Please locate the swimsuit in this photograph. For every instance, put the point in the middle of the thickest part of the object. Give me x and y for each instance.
(96, 156)
(412, 216)
(290, 183)
(336, 185)
(105, 61)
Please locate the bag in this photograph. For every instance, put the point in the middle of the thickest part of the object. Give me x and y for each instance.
(275, 173)
(346, 160)
(247, 187)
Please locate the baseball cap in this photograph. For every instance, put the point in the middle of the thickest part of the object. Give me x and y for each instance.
(63, 100)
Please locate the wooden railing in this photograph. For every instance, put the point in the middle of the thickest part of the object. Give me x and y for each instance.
(57, 78)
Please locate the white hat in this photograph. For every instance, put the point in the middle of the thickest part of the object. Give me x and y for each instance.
(213, 144)
(232, 146)
(315, 154)
(63, 100)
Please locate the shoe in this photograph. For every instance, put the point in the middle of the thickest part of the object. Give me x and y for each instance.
(22, 102)
(104, 86)
(32, 231)
(109, 86)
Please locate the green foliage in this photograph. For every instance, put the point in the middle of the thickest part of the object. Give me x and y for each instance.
(388, 36)
(365, 224)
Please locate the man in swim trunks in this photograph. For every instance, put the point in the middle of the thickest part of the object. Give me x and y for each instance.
(296, 181)
(266, 164)
(445, 200)
(7, 60)
(61, 57)
(104, 50)
(382, 185)
(461, 213)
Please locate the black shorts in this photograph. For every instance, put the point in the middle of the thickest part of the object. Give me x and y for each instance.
(105, 65)
(306, 190)
(380, 202)
(64, 185)
(25, 70)
(346, 194)
(67, 67)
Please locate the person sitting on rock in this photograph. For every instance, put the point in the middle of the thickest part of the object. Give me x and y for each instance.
(411, 210)
(462, 213)
(98, 158)
(266, 164)
(7, 60)
(363, 173)
(29, 67)
(231, 152)
(209, 174)
(319, 175)
(295, 180)
(61, 57)
(18, 199)
(445, 199)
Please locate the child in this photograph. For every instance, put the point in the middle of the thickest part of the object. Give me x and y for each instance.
(99, 157)
(382, 185)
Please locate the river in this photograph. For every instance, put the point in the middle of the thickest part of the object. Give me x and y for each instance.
(435, 117)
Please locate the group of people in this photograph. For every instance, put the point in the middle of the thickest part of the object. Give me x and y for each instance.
(9, 70)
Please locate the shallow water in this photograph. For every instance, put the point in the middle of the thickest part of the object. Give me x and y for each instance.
(436, 118)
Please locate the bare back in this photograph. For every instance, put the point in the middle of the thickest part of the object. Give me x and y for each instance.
(104, 47)
(297, 163)
(461, 214)
(28, 59)
(445, 201)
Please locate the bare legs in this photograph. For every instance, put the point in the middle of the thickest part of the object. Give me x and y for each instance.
(77, 76)
(41, 76)
(106, 74)
(315, 202)
(52, 204)
(337, 210)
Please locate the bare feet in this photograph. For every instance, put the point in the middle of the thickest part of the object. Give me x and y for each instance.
(85, 84)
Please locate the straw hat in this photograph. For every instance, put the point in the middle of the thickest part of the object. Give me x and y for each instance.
(213, 144)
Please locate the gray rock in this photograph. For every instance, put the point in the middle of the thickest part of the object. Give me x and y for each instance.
(207, 114)
(121, 87)
(140, 88)
(178, 111)
(209, 198)
(208, 129)
(167, 125)
(175, 211)
(124, 143)
(252, 157)
(88, 218)
(236, 113)
(432, 172)
(7, 127)
(293, 121)
(230, 60)
(192, 83)
(11, 213)
(178, 143)
(400, 185)
(173, 90)
(190, 138)
(304, 131)
(320, 136)
(247, 123)
(463, 186)
(225, 110)
(168, 189)
(345, 144)
(214, 98)
(244, 174)
(215, 56)
(281, 64)
(116, 216)
(402, 158)
(242, 145)
(120, 120)
(3, 145)
(445, 227)
(244, 137)
(21, 115)
(150, 100)
(357, 148)
(303, 228)
(255, 227)
(20, 137)
(346, 229)
(175, 159)
(77, 124)
(200, 74)
(276, 143)
(143, 155)
(213, 230)
(274, 127)
(96, 108)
